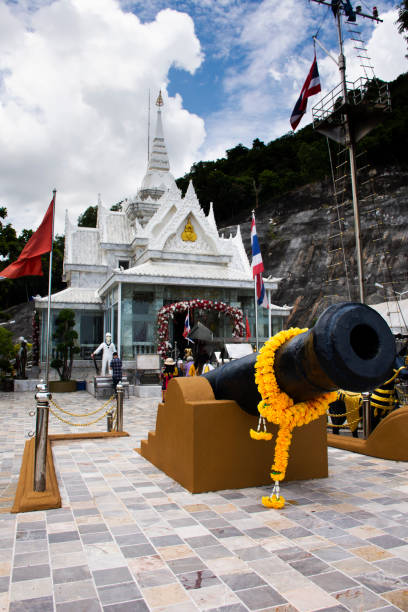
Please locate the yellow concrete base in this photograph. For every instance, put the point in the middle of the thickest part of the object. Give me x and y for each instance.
(389, 439)
(88, 436)
(204, 444)
(26, 498)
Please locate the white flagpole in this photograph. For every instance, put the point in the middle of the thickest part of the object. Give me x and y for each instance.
(47, 358)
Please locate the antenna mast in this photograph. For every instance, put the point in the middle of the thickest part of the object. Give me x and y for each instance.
(148, 128)
(348, 137)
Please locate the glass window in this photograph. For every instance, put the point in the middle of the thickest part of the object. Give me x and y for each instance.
(90, 328)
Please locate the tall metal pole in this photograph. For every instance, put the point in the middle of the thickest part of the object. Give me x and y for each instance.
(119, 321)
(256, 314)
(148, 129)
(119, 409)
(47, 358)
(41, 436)
(349, 142)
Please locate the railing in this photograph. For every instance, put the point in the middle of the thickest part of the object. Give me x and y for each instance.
(363, 91)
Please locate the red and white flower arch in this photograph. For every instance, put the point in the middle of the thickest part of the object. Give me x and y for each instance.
(167, 312)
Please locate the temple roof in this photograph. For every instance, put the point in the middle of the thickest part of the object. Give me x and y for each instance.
(78, 295)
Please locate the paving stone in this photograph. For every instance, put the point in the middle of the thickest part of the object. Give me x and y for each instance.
(30, 572)
(40, 604)
(237, 582)
(117, 593)
(82, 605)
(111, 576)
(310, 566)
(136, 534)
(181, 566)
(260, 597)
(71, 574)
(333, 581)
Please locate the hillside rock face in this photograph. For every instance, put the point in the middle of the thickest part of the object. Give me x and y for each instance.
(297, 235)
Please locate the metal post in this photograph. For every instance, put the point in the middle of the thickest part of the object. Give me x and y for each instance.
(119, 411)
(41, 434)
(366, 408)
(109, 421)
(269, 315)
(119, 321)
(47, 358)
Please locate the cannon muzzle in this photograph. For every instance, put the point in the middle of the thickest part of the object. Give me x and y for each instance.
(351, 347)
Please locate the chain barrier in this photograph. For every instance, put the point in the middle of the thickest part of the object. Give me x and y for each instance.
(107, 403)
(78, 424)
(345, 425)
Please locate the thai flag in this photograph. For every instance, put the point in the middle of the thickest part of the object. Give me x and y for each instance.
(257, 267)
(187, 328)
(310, 87)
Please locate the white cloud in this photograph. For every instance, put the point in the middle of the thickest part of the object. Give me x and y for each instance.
(277, 39)
(74, 81)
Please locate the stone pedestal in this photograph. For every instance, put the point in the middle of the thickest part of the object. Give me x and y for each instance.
(147, 391)
(30, 384)
(205, 445)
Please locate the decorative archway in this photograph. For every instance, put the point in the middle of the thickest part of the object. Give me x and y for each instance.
(167, 312)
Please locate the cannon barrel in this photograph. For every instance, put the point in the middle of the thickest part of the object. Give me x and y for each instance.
(351, 347)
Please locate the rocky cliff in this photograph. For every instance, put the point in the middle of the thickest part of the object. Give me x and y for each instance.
(298, 235)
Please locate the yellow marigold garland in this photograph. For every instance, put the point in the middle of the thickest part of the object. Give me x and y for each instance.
(260, 435)
(277, 407)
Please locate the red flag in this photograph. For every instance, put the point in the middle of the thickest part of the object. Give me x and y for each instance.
(247, 328)
(29, 260)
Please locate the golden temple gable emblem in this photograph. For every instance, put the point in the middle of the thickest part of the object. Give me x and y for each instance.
(189, 234)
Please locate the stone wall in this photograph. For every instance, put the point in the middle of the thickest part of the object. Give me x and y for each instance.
(293, 232)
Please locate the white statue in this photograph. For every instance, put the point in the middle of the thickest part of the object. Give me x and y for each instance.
(108, 349)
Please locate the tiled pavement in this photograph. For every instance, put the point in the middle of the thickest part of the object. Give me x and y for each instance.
(128, 538)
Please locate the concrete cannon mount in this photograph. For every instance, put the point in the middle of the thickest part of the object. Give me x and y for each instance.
(204, 443)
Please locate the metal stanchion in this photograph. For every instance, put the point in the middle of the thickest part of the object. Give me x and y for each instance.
(119, 411)
(41, 434)
(109, 421)
(366, 408)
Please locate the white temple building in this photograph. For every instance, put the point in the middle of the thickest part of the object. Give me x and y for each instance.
(160, 249)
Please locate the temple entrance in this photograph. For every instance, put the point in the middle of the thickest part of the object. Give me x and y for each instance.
(202, 344)
(179, 343)
(212, 315)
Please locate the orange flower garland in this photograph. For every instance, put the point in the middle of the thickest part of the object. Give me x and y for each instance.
(277, 407)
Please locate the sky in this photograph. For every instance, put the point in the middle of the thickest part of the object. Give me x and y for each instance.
(75, 77)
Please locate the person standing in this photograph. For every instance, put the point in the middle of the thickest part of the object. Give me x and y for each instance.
(169, 371)
(188, 365)
(116, 367)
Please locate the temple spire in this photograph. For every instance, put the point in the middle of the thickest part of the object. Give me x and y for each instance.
(159, 101)
(158, 157)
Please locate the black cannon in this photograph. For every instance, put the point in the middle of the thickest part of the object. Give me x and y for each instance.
(350, 347)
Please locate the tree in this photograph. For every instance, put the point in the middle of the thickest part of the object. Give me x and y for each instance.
(402, 20)
(117, 207)
(89, 217)
(6, 351)
(65, 336)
